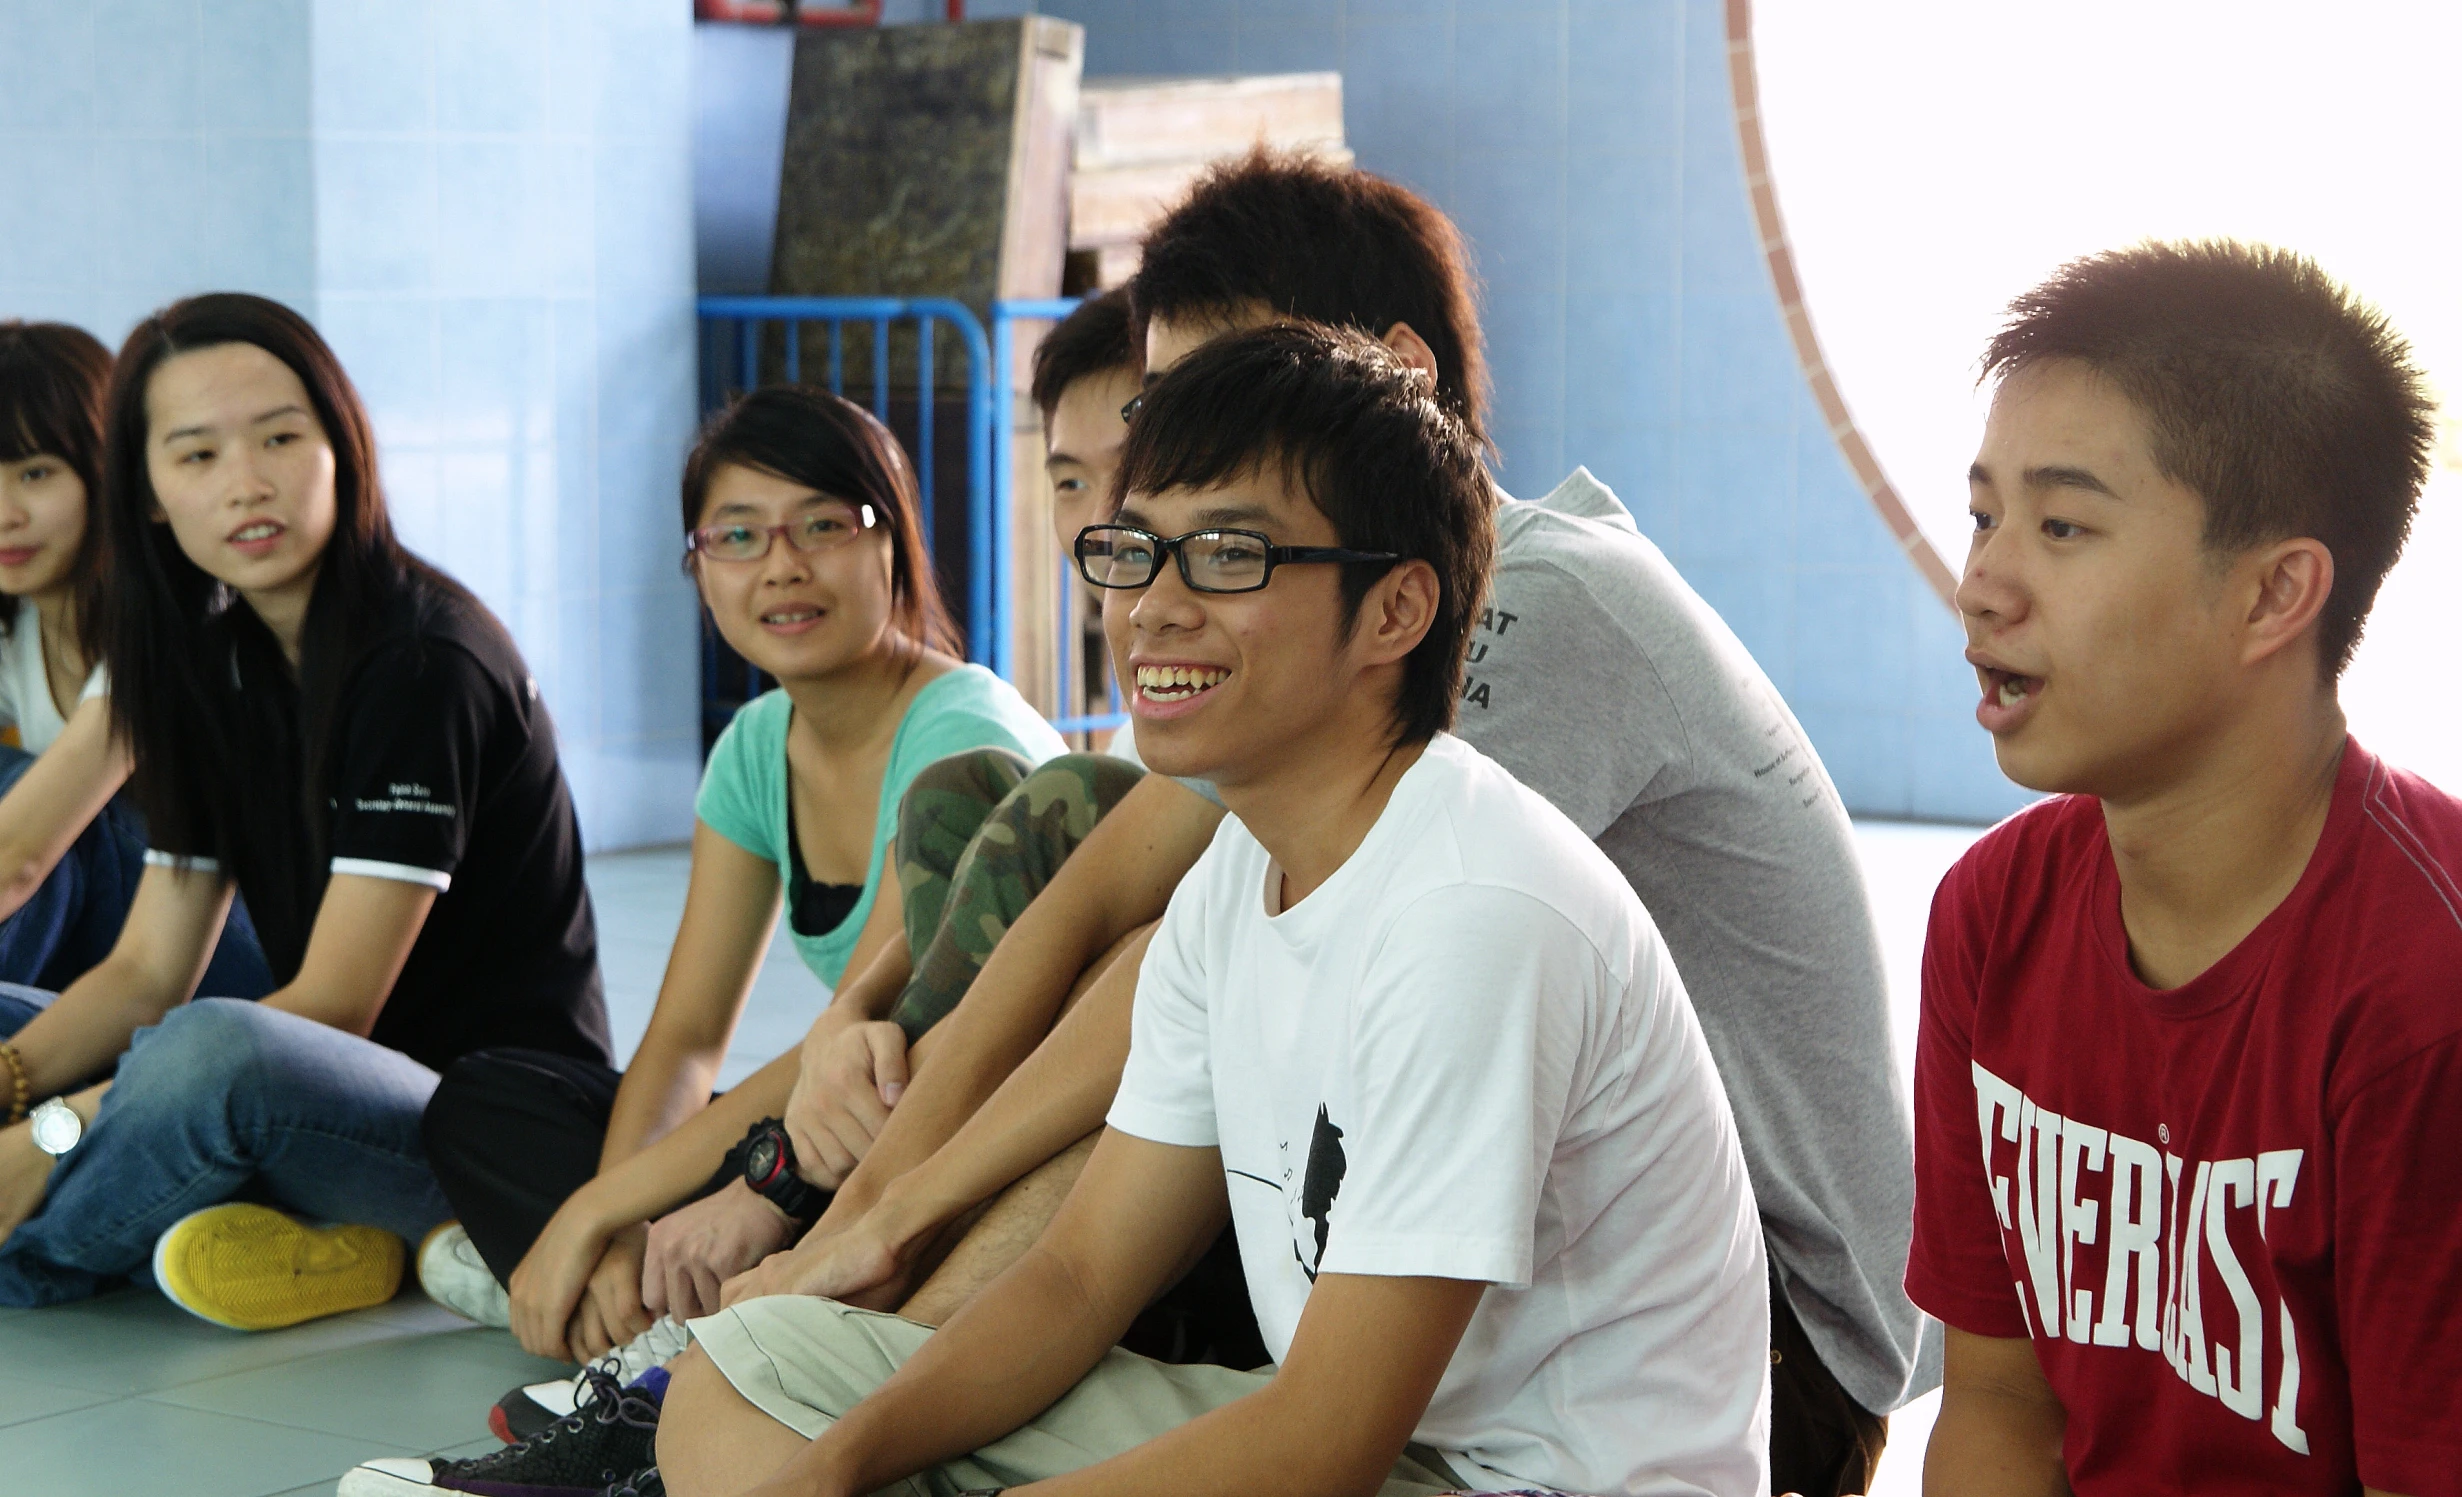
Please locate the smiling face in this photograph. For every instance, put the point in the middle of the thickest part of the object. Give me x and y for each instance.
(1082, 449)
(1231, 685)
(242, 470)
(795, 614)
(2106, 637)
(42, 524)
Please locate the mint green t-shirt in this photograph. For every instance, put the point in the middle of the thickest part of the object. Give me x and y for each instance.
(744, 788)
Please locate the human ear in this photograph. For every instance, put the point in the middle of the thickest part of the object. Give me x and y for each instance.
(1398, 612)
(2292, 579)
(1412, 349)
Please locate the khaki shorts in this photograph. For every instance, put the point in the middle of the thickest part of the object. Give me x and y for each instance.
(804, 1362)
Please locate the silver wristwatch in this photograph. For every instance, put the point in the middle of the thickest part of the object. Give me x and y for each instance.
(57, 1128)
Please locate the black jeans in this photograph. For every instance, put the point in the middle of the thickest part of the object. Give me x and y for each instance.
(511, 1135)
(1822, 1442)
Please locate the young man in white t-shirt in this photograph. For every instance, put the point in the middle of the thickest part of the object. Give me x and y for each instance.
(1403, 1026)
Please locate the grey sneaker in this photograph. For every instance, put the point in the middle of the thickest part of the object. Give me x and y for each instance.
(456, 1277)
(531, 1408)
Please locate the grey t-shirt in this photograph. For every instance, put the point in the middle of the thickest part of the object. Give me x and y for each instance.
(1605, 683)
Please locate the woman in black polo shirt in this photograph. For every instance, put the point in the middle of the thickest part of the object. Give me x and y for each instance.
(348, 738)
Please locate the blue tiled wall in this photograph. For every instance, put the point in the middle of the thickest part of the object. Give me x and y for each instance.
(486, 207)
(1588, 149)
(144, 152)
(504, 258)
(740, 79)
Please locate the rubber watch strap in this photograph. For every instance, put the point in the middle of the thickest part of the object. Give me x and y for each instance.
(778, 1184)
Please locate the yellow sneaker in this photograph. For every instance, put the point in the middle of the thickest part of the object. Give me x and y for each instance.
(252, 1268)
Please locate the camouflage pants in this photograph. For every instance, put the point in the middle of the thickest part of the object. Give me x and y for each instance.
(979, 835)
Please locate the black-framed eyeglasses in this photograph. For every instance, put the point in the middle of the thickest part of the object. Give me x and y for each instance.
(823, 529)
(1211, 561)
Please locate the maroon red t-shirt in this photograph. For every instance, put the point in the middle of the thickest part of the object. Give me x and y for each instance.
(2229, 1214)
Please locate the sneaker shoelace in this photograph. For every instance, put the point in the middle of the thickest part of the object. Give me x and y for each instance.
(555, 1453)
(663, 1342)
(643, 1483)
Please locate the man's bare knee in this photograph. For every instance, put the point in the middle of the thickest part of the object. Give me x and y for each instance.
(1001, 1236)
(712, 1441)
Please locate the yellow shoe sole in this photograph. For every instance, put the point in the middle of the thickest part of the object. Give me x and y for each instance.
(252, 1268)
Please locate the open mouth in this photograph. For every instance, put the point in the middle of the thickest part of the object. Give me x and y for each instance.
(262, 530)
(800, 613)
(1178, 683)
(2007, 688)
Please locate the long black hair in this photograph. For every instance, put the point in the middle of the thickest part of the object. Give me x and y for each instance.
(230, 747)
(832, 446)
(51, 401)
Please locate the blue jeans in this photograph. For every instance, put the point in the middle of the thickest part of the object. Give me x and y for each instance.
(72, 920)
(224, 1099)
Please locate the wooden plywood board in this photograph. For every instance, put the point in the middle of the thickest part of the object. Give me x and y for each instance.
(1117, 204)
(928, 161)
(1139, 121)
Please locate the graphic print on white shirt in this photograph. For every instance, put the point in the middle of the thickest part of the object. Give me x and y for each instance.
(1309, 1193)
(1467, 1055)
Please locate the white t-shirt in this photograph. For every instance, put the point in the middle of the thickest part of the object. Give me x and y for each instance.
(1468, 1055)
(1606, 684)
(25, 690)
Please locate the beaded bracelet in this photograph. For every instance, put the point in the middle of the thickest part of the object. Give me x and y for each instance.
(23, 1093)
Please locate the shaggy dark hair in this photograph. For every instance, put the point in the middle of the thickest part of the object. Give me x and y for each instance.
(52, 378)
(1353, 427)
(2291, 407)
(1321, 243)
(832, 446)
(1094, 339)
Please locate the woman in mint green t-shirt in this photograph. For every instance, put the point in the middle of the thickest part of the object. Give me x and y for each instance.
(801, 516)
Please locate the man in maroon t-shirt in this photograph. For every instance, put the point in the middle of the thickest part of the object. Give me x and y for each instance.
(2189, 1086)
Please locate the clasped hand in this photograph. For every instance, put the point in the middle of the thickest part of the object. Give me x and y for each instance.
(851, 1074)
(577, 1293)
(694, 1250)
(858, 1266)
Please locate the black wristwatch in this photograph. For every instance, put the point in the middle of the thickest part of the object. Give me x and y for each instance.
(768, 1161)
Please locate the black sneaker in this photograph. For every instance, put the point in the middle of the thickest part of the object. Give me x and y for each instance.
(584, 1454)
(534, 1406)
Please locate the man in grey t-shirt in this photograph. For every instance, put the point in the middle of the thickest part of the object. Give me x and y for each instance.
(1606, 684)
